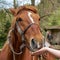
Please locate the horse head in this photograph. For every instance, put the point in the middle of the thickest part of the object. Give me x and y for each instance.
(27, 25)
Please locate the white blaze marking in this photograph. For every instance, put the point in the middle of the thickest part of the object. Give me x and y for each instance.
(29, 15)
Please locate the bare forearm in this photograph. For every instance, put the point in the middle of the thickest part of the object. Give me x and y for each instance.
(44, 49)
(54, 52)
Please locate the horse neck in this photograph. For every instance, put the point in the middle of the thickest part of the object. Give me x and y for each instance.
(6, 50)
(7, 54)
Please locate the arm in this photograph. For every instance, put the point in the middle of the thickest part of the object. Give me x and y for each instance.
(54, 52)
(44, 49)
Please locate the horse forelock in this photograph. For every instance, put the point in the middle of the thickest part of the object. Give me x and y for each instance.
(29, 8)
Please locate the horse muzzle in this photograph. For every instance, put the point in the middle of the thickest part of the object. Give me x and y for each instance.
(35, 45)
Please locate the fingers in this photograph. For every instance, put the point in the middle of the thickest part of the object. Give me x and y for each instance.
(36, 53)
(39, 52)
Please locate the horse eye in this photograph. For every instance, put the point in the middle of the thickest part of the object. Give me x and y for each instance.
(39, 19)
(19, 19)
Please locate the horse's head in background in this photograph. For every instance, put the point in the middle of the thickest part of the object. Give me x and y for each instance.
(27, 24)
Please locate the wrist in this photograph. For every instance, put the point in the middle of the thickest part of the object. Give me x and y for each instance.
(46, 48)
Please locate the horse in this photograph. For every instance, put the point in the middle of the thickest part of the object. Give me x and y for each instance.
(24, 35)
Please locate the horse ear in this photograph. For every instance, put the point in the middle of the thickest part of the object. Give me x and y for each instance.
(13, 11)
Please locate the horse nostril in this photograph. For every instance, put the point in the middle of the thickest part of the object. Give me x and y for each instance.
(33, 43)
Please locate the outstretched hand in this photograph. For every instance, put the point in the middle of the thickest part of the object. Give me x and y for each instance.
(40, 51)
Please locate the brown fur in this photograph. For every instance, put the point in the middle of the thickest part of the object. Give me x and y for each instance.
(33, 31)
(6, 53)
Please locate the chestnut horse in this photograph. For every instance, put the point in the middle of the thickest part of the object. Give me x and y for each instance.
(24, 35)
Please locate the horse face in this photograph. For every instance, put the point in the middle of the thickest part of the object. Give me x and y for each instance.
(29, 21)
(32, 34)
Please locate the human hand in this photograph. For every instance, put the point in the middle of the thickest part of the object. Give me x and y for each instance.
(40, 51)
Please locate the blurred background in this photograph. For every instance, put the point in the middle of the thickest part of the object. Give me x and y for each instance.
(49, 11)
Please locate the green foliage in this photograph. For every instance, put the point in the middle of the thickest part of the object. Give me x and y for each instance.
(51, 12)
(54, 19)
(4, 26)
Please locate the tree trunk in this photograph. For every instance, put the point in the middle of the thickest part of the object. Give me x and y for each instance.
(33, 2)
(14, 2)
